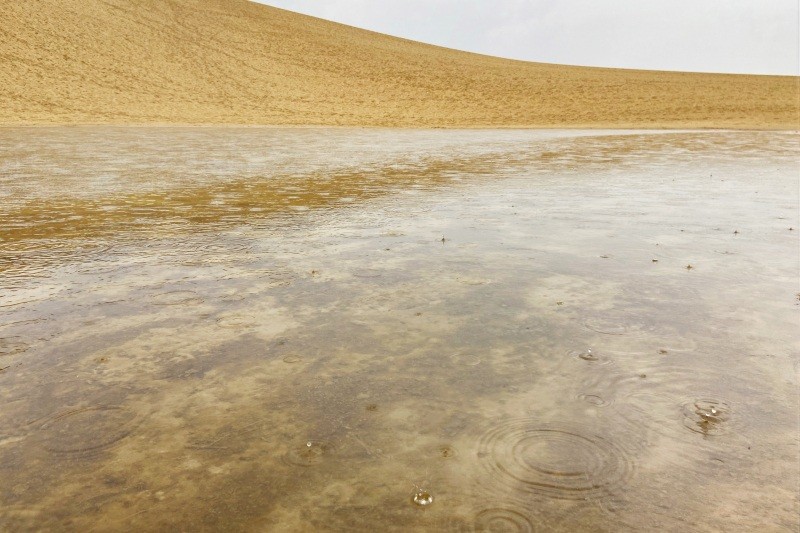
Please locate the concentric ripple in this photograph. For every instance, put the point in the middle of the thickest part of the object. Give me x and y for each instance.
(309, 453)
(590, 355)
(367, 273)
(648, 409)
(236, 321)
(554, 462)
(501, 520)
(677, 345)
(654, 397)
(606, 326)
(88, 429)
(443, 451)
(466, 359)
(707, 416)
(594, 399)
(178, 298)
(495, 520)
(613, 324)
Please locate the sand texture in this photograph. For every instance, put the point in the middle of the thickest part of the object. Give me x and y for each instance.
(237, 62)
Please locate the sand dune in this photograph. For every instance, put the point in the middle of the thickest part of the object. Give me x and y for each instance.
(237, 62)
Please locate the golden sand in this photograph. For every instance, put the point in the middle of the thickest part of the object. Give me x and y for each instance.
(237, 62)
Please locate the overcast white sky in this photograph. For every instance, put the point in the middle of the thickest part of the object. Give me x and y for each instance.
(753, 36)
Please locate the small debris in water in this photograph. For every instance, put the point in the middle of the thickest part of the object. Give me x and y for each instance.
(662, 351)
(422, 498)
(736, 232)
(559, 303)
(689, 267)
(655, 260)
(447, 452)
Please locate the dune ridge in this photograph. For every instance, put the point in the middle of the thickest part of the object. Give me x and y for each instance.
(238, 62)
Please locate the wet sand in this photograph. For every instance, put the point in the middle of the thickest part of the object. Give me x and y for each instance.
(349, 330)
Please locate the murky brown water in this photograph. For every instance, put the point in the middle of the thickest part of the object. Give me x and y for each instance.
(361, 330)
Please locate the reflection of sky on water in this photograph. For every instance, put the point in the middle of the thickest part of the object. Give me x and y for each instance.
(253, 329)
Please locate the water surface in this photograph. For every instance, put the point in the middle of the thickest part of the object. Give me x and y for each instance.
(360, 330)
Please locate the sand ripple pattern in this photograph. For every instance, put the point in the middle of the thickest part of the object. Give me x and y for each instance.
(12, 346)
(552, 461)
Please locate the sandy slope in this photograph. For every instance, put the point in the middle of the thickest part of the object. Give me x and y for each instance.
(232, 61)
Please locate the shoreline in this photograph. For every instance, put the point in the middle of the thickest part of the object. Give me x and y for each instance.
(593, 127)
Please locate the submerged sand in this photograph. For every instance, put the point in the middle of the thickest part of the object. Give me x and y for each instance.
(257, 329)
(237, 62)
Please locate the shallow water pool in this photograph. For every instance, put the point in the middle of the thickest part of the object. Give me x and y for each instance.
(357, 330)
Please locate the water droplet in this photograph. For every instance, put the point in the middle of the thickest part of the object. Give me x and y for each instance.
(706, 416)
(310, 453)
(422, 498)
(589, 355)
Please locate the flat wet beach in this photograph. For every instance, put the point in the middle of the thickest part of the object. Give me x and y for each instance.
(313, 329)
